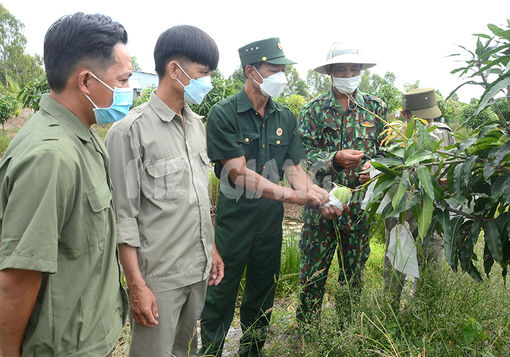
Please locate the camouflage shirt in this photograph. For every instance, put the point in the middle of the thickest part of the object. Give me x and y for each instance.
(325, 128)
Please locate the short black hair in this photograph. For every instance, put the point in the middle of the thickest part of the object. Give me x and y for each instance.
(76, 38)
(185, 41)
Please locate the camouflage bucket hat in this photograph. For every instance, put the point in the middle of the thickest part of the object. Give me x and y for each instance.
(341, 53)
(422, 103)
(268, 50)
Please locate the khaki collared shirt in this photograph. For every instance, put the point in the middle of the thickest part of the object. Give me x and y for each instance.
(160, 178)
(56, 217)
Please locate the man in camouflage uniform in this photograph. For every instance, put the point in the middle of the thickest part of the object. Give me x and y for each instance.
(340, 131)
(420, 103)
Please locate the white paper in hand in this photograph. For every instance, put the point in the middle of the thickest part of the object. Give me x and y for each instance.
(402, 250)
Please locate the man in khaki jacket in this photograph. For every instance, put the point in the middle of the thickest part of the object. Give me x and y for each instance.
(160, 178)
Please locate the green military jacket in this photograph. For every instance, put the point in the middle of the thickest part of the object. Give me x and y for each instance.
(56, 217)
(325, 128)
(235, 129)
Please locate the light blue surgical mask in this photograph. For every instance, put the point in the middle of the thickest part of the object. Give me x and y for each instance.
(122, 101)
(197, 89)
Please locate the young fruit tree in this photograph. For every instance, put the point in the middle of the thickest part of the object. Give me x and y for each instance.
(463, 190)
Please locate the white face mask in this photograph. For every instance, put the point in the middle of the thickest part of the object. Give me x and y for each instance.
(347, 85)
(273, 85)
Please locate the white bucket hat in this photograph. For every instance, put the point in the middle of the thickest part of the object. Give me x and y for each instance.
(341, 53)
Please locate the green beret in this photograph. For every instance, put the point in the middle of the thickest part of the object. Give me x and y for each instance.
(268, 50)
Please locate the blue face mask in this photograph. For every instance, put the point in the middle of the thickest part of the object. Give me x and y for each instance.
(197, 89)
(122, 101)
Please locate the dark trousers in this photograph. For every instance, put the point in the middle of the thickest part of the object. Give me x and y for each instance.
(255, 248)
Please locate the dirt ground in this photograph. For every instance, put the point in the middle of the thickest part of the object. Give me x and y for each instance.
(18, 122)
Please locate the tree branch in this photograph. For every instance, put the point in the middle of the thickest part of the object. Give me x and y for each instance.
(467, 215)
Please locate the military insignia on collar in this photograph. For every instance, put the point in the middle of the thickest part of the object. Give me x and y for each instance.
(279, 131)
(367, 124)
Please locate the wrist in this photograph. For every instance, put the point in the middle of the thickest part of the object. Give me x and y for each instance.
(135, 283)
(336, 162)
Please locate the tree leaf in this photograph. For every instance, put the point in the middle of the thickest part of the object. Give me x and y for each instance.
(497, 155)
(465, 144)
(467, 167)
(425, 180)
(385, 169)
(410, 128)
(418, 157)
(402, 188)
(450, 228)
(493, 240)
(456, 201)
(491, 91)
(488, 261)
(425, 216)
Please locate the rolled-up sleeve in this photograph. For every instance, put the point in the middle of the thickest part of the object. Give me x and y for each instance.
(125, 169)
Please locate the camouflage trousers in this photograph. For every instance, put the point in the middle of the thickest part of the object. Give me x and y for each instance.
(430, 253)
(349, 237)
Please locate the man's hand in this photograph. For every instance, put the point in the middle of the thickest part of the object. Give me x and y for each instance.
(349, 159)
(143, 306)
(364, 178)
(217, 269)
(315, 196)
(333, 212)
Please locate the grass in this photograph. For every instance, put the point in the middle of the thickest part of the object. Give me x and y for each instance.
(449, 315)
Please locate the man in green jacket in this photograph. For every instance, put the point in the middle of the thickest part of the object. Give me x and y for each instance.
(60, 290)
(253, 142)
(340, 131)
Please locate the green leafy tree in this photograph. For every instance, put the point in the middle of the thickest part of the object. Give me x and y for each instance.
(31, 94)
(238, 79)
(222, 88)
(476, 192)
(317, 83)
(12, 41)
(296, 85)
(134, 63)
(294, 102)
(8, 108)
(382, 87)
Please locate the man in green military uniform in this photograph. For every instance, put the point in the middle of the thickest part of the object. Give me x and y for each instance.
(340, 131)
(420, 103)
(253, 141)
(60, 291)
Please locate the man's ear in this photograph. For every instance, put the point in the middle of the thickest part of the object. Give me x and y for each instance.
(83, 77)
(172, 69)
(251, 73)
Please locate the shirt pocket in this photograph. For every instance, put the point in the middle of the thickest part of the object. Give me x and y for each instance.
(331, 137)
(250, 144)
(99, 200)
(366, 141)
(278, 147)
(166, 179)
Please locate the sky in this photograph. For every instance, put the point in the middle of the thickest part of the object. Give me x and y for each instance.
(412, 39)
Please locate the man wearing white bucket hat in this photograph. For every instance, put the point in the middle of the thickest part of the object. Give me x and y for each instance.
(340, 131)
